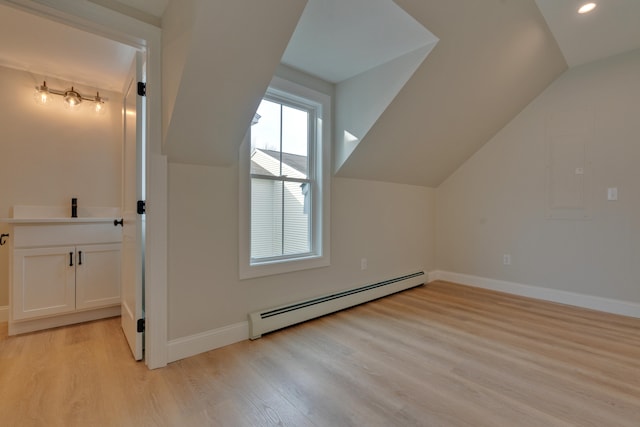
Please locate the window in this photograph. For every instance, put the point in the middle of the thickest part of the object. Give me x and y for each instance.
(282, 140)
(284, 183)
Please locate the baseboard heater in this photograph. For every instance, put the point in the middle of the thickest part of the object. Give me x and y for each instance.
(261, 322)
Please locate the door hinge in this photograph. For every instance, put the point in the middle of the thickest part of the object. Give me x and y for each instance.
(142, 89)
(142, 207)
(140, 325)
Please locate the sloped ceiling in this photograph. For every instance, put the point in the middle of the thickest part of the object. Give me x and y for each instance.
(57, 51)
(230, 54)
(613, 27)
(493, 58)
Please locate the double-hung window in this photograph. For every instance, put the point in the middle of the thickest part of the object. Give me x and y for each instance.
(284, 170)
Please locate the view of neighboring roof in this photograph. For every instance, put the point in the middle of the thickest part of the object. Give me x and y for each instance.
(295, 161)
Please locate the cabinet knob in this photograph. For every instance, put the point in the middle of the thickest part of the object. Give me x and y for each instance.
(118, 222)
(3, 239)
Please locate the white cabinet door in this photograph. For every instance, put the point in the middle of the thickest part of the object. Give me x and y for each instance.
(43, 282)
(97, 276)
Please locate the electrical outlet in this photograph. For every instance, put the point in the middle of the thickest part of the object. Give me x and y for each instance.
(506, 259)
(363, 264)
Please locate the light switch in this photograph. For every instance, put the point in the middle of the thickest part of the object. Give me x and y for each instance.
(612, 193)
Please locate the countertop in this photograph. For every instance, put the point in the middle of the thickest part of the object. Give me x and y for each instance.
(56, 220)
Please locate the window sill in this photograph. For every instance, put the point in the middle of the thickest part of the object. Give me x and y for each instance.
(251, 271)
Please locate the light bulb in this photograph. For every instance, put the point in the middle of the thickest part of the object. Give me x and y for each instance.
(586, 8)
(42, 96)
(99, 106)
(72, 99)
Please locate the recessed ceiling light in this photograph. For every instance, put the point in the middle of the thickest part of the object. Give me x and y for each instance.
(587, 7)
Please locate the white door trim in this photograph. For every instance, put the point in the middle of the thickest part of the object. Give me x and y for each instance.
(116, 26)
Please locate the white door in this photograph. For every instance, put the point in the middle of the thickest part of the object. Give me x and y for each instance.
(133, 223)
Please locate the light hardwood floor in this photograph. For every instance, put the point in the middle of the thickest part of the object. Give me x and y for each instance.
(438, 355)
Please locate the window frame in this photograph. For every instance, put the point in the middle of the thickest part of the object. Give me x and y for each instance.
(292, 94)
(314, 111)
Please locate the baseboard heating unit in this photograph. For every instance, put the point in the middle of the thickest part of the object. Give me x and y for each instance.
(264, 321)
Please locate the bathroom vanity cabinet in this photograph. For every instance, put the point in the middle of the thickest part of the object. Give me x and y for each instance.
(63, 271)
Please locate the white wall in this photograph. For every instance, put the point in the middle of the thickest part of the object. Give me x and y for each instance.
(497, 202)
(392, 225)
(49, 154)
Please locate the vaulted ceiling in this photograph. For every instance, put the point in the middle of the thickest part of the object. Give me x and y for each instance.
(492, 58)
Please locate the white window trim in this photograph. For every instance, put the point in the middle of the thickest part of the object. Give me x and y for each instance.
(321, 256)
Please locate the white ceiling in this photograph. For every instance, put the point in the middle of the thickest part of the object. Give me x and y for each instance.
(149, 11)
(56, 50)
(49, 49)
(612, 28)
(338, 39)
(152, 7)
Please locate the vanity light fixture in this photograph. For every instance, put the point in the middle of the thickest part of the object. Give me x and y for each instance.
(72, 98)
(586, 8)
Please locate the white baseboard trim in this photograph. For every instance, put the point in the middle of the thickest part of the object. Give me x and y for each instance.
(191, 345)
(606, 305)
(432, 276)
(4, 313)
(38, 324)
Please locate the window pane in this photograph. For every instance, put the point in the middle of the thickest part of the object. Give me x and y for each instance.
(295, 142)
(265, 140)
(296, 218)
(266, 218)
(280, 222)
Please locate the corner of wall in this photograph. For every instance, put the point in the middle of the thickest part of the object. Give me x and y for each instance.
(192, 345)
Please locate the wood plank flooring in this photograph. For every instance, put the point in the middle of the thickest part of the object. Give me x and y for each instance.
(438, 355)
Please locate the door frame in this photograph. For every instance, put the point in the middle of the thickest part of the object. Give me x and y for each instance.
(113, 25)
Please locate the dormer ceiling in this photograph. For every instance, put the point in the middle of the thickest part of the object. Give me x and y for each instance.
(218, 59)
(339, 39)
(335, 40)
(369, 49)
